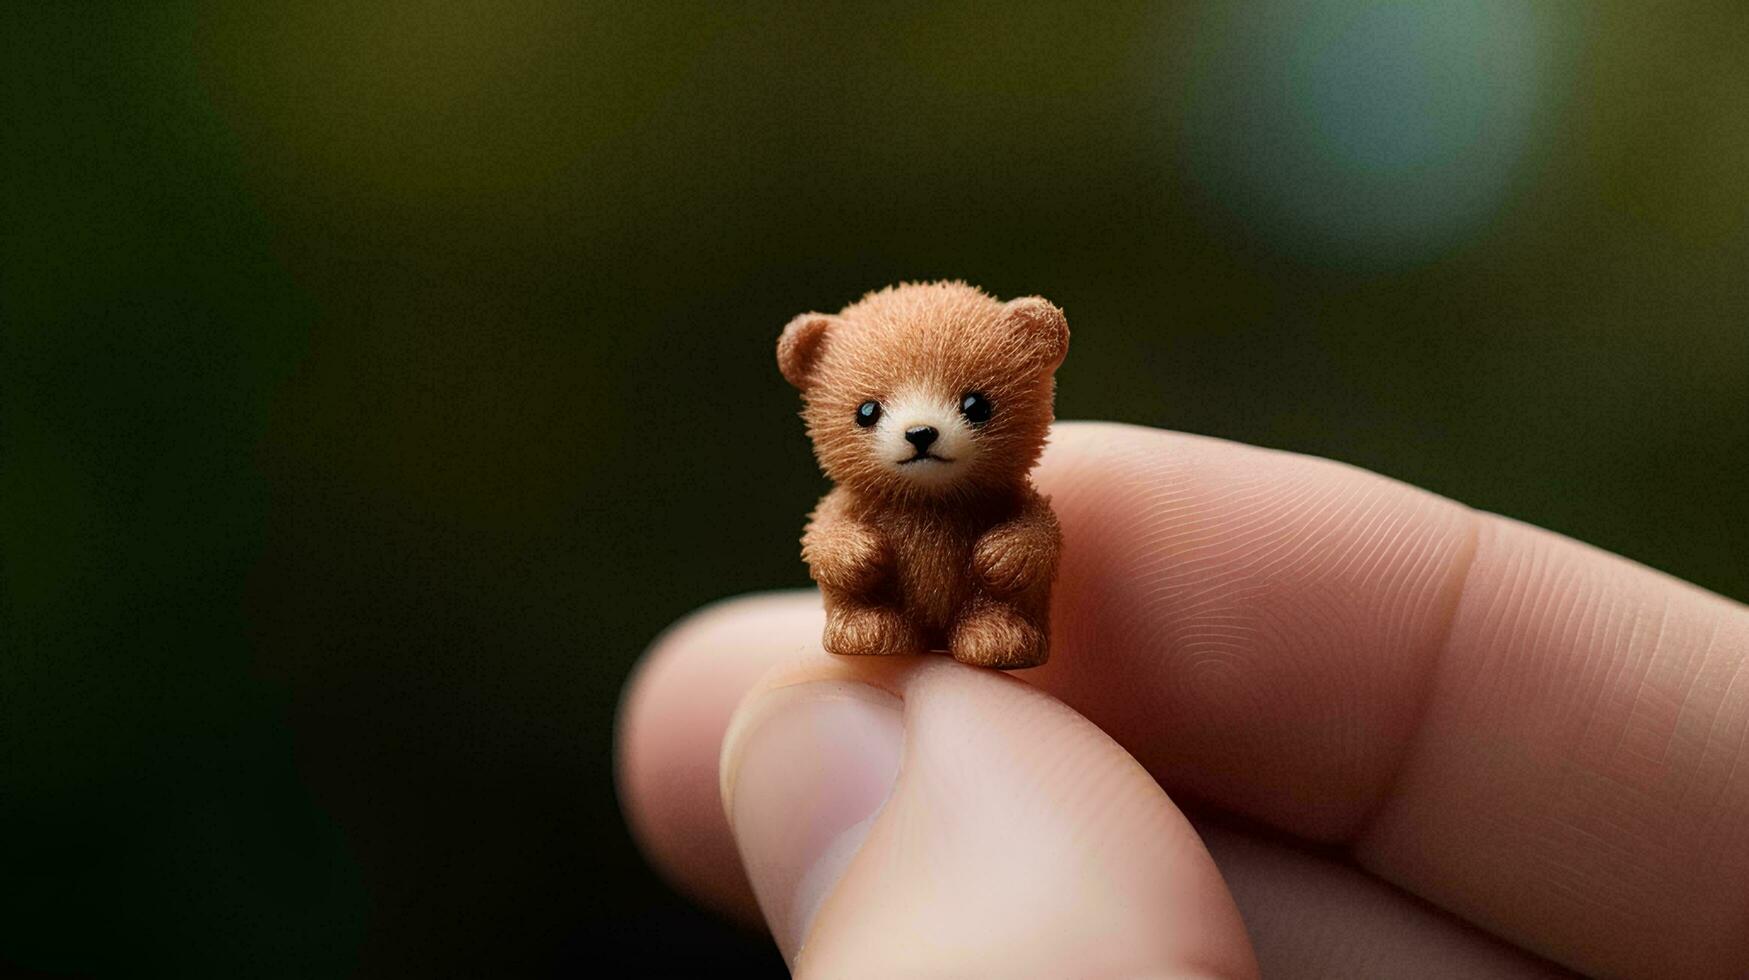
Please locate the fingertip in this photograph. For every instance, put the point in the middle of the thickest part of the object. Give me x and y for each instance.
(1018, 840)
(1255, 625)
(805, 766)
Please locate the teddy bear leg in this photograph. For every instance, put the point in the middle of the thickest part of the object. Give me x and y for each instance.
(856, 630)
(995, 634)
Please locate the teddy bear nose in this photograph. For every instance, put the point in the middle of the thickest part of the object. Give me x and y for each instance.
(921, 436)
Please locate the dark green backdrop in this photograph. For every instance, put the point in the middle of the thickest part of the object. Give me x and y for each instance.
(376, 381)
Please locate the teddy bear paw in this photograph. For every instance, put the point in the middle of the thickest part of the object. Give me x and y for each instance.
(868, 631)
(997, 636)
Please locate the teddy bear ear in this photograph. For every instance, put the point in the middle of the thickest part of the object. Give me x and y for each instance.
(800, 346)
(1042, 327)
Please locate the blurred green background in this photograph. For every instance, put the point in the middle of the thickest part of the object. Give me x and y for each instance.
(377, 380)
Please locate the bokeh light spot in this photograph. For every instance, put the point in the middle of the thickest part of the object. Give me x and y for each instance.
(1363, 133)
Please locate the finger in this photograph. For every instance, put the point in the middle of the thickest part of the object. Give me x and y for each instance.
(671, 724)
(1284, 636)
(1258, 627)
(1306, 916)
(916, 817)
(1578, 779)
(1310, 915)
(1542, 737)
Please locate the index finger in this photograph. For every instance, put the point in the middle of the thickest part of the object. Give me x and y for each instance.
(1539, 736)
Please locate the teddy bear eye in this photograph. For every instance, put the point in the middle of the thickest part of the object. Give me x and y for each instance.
(975, 406)
(868, 413)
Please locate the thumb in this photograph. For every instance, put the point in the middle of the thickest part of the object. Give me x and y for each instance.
(917, 817)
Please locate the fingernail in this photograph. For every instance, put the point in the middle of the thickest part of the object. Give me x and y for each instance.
(805, 770)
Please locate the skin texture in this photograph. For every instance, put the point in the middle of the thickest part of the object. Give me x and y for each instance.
(1438, 743)
(943, 544)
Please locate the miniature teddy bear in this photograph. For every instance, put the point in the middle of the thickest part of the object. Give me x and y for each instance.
(928, 404)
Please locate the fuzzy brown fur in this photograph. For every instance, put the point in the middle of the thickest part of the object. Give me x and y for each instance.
(914, 555)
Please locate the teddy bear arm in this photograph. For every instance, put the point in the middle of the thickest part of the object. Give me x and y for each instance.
(846, 555)
(1021, 554)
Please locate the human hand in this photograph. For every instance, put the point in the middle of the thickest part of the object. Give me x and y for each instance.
(1422, 703)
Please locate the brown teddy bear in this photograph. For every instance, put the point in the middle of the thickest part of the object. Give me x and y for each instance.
(928, 403)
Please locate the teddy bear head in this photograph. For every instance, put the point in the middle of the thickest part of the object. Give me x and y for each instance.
(927, 391)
